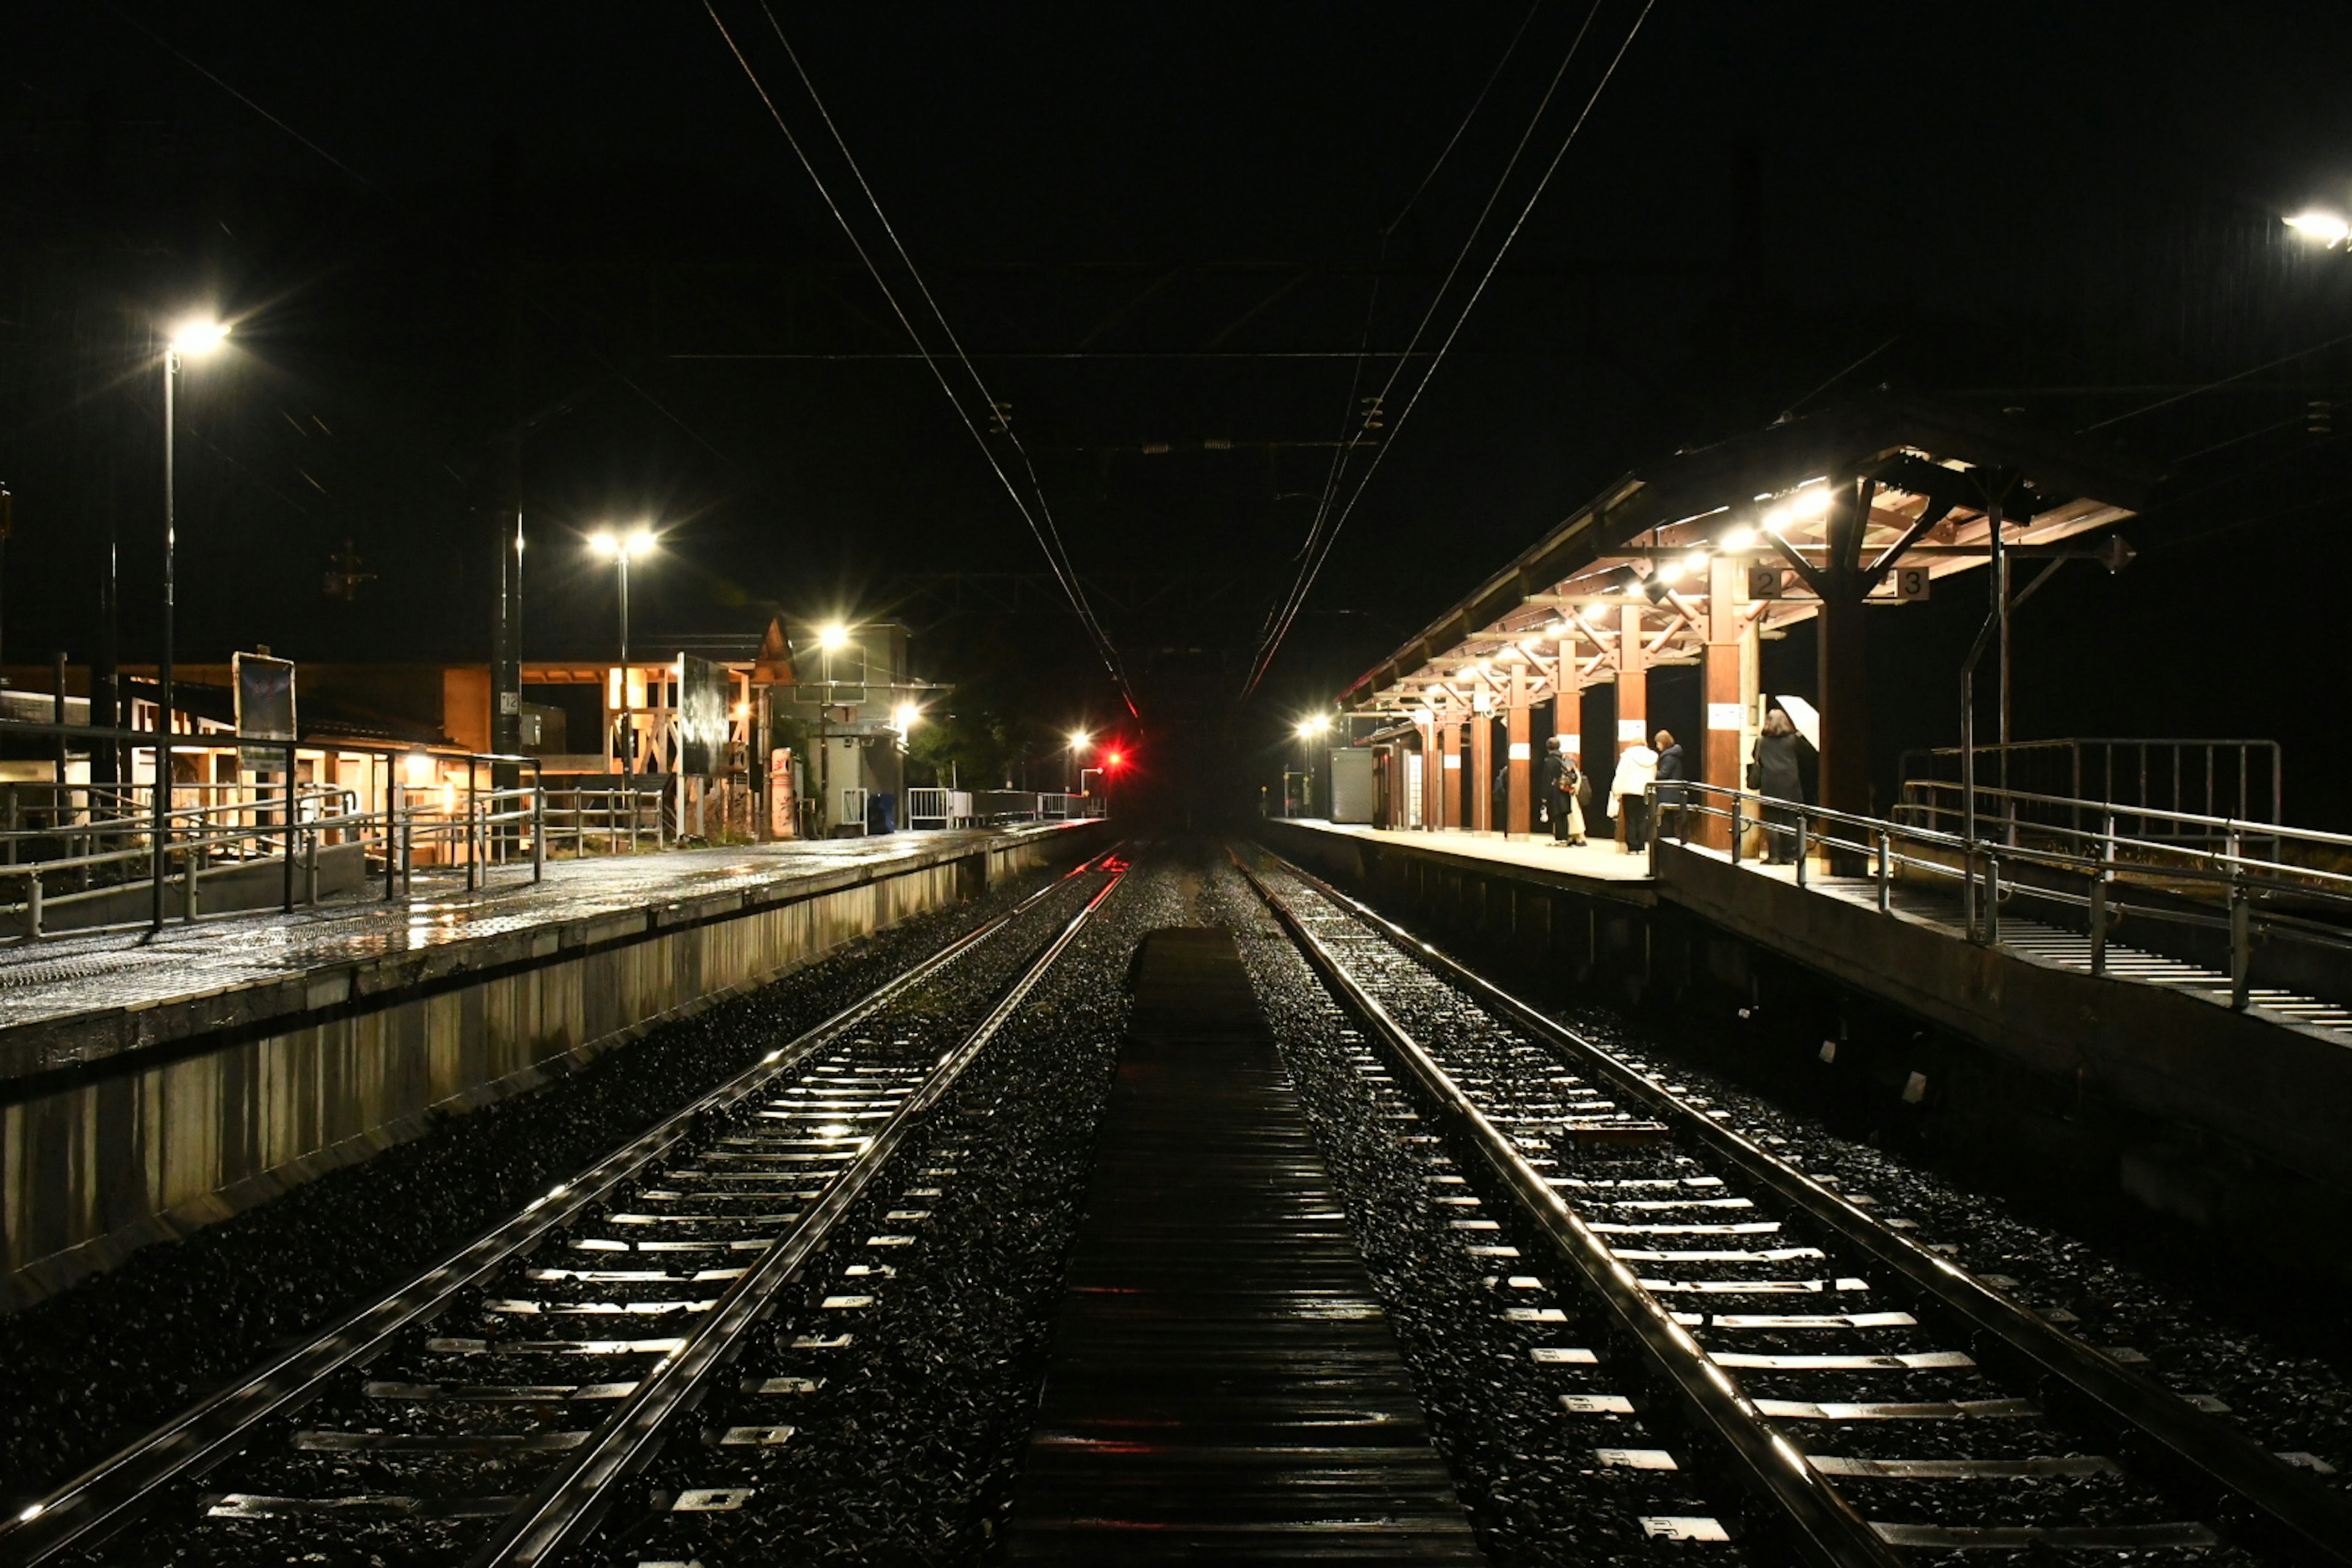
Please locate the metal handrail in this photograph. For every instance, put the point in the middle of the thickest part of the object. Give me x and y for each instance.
(2247, 827)
(464, 835)
(1893, 850)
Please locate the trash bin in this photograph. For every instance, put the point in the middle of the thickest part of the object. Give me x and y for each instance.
(881, 813)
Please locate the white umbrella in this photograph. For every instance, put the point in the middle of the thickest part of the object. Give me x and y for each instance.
(1804, 716)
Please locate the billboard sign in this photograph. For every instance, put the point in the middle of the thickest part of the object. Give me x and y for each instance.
(702, 692)
(264, 707)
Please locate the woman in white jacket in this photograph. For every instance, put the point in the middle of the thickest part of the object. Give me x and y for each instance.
(1637, 770)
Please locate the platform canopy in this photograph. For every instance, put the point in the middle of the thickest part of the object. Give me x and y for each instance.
(1873, 501)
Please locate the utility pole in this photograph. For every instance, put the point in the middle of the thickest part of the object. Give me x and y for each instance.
(506, 639)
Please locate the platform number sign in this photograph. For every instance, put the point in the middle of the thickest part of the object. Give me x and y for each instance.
(1910, 583)
(1766, 582)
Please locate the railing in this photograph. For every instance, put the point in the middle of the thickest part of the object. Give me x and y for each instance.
(65, 842)
(2196, 780)
(996, 807)
(608, 821)
(940, 808)
(2201, 874)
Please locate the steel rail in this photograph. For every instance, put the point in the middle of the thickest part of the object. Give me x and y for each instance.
(2282, 1507)
(568, 1503)
(1824, 1528)
(108, 1496)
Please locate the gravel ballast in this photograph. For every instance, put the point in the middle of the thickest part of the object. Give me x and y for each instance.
(94, 1367)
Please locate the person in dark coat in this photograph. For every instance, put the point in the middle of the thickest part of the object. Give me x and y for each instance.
(1551, 788)
(1502, 819)
(1779, 778)
(1670, 790)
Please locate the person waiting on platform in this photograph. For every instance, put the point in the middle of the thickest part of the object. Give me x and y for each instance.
(1556, 783)
(1773, 773)
(1637, 770)
(1670, 790)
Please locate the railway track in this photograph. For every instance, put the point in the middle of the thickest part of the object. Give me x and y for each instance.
(487, 1410)
(1842, 1387)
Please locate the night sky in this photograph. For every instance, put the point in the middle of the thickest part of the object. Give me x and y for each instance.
(436, 225)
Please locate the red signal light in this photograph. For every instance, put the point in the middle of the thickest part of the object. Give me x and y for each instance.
(1114, 760)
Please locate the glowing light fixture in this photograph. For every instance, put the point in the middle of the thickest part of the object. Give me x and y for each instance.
(1317, 724)
(1695, 561)
(1670, 571)
(903, 717)
(419, 769)
(634, 545)
(1080, 740)
(1740, 538)
(197, 336)
(833, 637)
(2327, 229)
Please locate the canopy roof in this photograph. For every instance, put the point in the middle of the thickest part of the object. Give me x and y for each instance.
(1764, 499)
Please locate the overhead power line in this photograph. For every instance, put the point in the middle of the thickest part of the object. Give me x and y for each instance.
(1312, 569)
(1039, 519)
(1356, 415)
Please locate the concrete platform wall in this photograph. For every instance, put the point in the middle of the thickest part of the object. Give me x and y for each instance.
(147, 1144)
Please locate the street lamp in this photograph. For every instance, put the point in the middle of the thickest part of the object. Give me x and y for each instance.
(193, 338)
(621, 548)
(1080, 744)
(1310, 728)
(2326, 228)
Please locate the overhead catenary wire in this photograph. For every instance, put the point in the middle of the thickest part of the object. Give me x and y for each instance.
(1047, 538)
(1314, 568)
(1051, 533)
(2215, 386)
(1352, 419)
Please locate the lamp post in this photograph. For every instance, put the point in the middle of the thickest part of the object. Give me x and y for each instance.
(191, 339)
(1309, 731)
(1081, 743)
(621, 548)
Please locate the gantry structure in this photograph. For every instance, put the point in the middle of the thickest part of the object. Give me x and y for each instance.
(1694, 558)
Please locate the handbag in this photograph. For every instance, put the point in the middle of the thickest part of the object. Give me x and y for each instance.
(1755, 775)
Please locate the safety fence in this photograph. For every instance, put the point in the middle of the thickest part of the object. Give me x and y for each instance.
(2251, 883)
(943, 808)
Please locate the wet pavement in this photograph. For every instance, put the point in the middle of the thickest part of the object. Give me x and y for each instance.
(108, 970)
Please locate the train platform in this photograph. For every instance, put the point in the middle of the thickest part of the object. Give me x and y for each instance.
(57, 994)
(176, 1076)
(2182, 1088)
(1223, 1382)
(1597, 861)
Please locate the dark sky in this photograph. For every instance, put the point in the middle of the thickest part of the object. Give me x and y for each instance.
(2068, 209)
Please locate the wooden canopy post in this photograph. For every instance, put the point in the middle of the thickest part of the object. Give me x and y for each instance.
(1843, 667)
(1567, 702)
(1481, 769)
(1632, 683)
(1520, 758)
(1450, 774)
(1729, 676)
